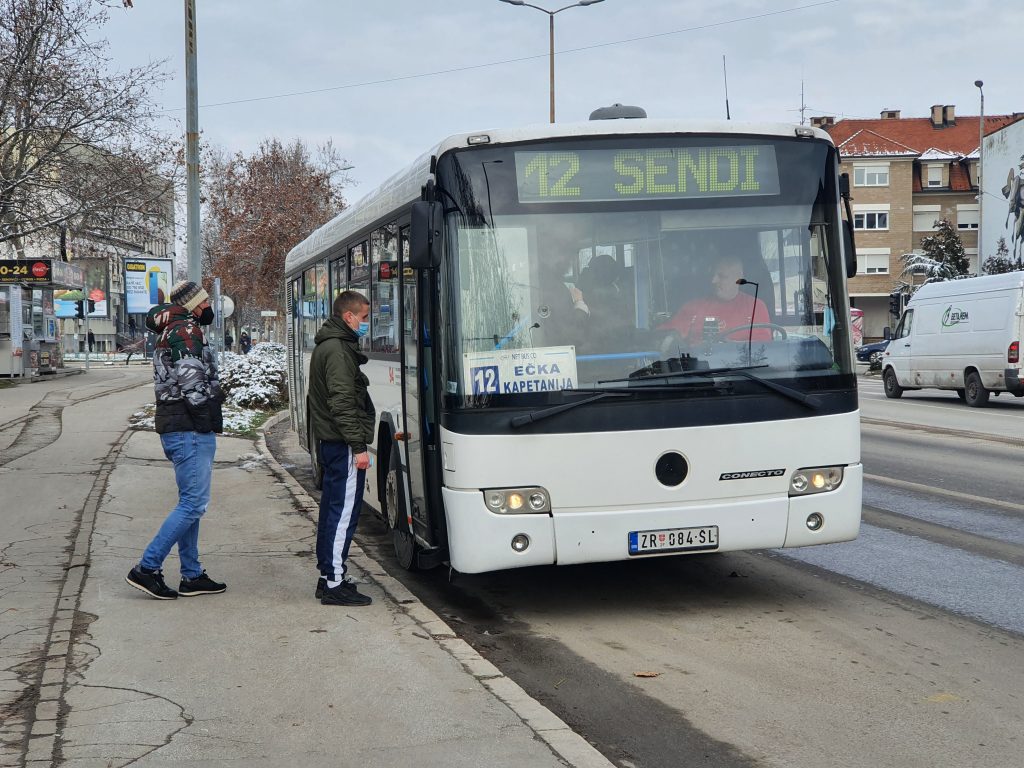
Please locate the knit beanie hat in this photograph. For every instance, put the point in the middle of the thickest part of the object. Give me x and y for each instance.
(188, 295)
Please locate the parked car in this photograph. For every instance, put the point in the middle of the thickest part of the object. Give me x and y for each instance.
(869, 353)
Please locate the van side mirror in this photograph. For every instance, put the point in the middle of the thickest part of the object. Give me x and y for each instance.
(425, 235)
(887, 333)
(849, 249)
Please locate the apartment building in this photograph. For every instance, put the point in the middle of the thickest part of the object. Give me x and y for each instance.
(906, 173)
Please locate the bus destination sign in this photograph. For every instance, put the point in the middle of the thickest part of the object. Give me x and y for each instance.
(601, 175)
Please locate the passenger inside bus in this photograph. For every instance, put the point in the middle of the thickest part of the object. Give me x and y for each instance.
(562, 313)
(604, 283)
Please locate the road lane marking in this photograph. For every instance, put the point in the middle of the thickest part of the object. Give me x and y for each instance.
(869, 421)
(930, 490)
(944, 534)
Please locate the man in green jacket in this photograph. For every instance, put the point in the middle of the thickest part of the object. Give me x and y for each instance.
(342, 418)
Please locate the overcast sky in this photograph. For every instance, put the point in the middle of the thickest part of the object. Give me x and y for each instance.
(378, 102)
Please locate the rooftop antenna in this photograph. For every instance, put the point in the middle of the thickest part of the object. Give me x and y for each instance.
(725, 77)
(803, 106)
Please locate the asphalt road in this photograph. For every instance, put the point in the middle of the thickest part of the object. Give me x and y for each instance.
(902, 648)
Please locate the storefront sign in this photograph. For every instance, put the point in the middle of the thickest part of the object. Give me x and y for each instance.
(25, 270)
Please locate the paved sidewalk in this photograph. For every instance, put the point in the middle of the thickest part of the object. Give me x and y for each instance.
(262, 675)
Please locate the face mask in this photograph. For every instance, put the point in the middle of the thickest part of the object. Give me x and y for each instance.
(362, 330)
(206, 318)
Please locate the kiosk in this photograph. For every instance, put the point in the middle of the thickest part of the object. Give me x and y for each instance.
(30, 336)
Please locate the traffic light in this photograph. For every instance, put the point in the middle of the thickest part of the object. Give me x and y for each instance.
(895, 300)
(92, 306)
(79, 309)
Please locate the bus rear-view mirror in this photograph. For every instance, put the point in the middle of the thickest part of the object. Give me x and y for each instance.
(425, 235)
(849, 250)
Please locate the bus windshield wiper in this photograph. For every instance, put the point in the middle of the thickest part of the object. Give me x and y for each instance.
(528, 418)
(741, 371)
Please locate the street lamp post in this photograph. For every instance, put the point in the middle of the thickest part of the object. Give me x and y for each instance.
(551, 37)
(981, 158)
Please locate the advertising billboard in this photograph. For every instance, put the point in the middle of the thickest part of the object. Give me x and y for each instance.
(97, 281)
(1002, 177)
(147, 282)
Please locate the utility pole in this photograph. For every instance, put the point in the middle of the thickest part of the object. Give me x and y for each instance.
(981, 157)
(218, 321)
(195, 270)
(85, 307)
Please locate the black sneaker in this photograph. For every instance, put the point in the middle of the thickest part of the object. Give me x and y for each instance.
(321, 585)
(344, 594)
(200, 585)
(150, 582)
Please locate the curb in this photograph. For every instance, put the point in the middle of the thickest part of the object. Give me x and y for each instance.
(549, 728)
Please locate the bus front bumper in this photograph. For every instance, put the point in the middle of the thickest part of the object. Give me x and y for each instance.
(480, 540)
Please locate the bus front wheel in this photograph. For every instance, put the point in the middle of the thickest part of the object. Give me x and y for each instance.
(396, 514)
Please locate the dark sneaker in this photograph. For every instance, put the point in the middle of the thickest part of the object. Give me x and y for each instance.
(200, 585)
(344, 594)
(150, 582)
(321, 585)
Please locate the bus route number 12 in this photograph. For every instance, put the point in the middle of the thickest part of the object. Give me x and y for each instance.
(485, 380)
(554, 172)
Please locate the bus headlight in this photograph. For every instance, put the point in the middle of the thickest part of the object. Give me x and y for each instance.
(815, 480)
(517, 501)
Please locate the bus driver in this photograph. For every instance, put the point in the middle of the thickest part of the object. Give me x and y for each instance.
(729, 308)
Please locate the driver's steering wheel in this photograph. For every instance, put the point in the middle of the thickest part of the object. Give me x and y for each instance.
(776, 329)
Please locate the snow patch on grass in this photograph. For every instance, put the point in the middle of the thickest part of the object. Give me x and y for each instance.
(237, 421)
(255, 386)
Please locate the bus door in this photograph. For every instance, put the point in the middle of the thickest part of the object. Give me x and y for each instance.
(417, 391)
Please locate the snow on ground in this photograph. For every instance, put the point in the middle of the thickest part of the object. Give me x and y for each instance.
(254, 386)
(237, 420)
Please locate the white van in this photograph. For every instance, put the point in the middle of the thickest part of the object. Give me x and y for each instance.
(962, 335)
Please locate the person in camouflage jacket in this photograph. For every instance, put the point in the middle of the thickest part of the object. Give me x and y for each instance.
(188, 394)
(188, 416)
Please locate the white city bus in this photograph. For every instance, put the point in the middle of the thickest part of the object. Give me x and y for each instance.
(507, 439)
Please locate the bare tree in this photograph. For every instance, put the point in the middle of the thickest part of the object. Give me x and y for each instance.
(257, 209)
(80, 149)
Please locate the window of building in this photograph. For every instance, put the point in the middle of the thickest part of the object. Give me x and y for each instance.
(934, 175)
(871, 175)
(972, 261)
(871, 220)
(967, 216)
(873, 261)
(925, 217)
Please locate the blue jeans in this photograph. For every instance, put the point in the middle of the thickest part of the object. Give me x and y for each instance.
(192, 455)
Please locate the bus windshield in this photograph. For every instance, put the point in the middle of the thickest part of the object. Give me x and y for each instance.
(606, 263)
